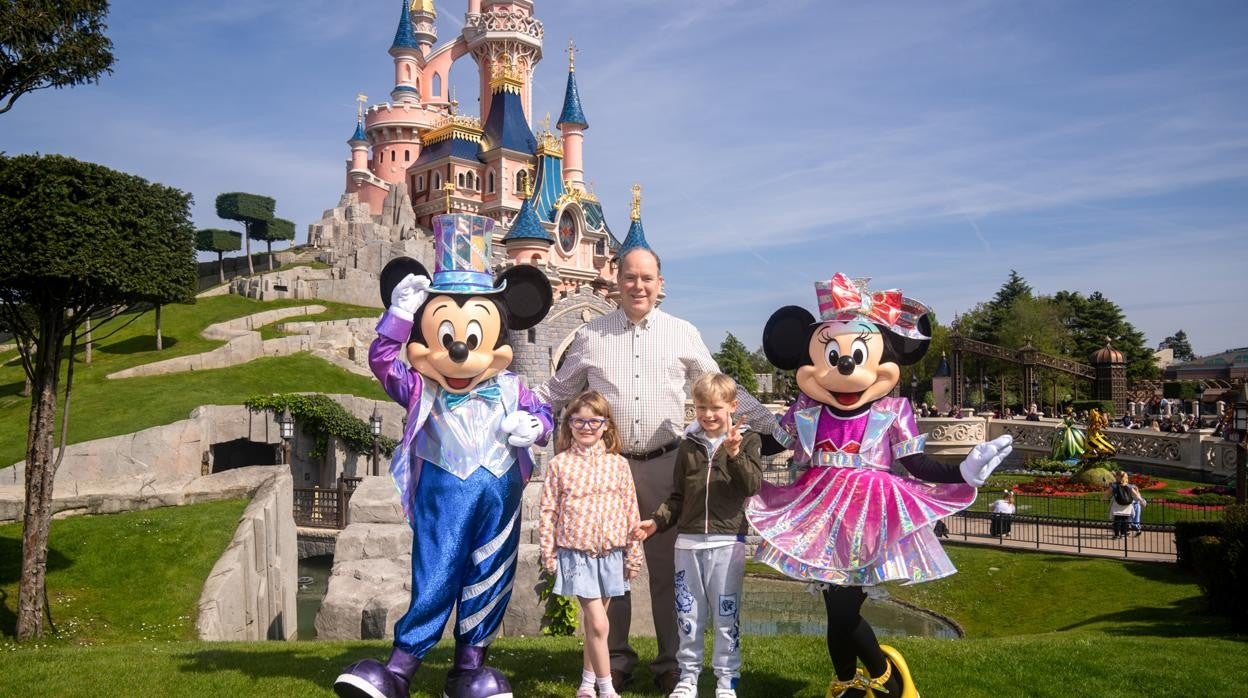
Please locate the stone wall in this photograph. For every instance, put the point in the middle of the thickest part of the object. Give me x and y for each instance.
(250, 593)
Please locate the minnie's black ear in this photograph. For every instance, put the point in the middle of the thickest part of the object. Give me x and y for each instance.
(904, 350)
(396, 270)
(787, 335)
(527, 297)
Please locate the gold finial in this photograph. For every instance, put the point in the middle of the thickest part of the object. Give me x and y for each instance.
(425, 6)
(546, 123)
(571, 56)
(449, 188)
(636, 212)
(359, 110)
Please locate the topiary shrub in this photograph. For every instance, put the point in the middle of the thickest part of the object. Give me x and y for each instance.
(1221, 565)
(1098, 476)
(1187, 531)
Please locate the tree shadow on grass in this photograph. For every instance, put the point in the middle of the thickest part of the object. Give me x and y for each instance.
(1188, 617)
(11, 574)
(532, 671)
(137, 345)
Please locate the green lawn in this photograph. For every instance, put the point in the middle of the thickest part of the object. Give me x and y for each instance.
(122, 577)
(96, 409)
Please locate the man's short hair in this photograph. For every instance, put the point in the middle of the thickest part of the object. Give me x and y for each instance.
(714, 387)
(657, 262)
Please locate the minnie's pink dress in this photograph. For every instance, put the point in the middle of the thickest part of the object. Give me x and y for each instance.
(848, 520)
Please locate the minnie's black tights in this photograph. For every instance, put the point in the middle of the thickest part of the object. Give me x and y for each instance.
(850, 637)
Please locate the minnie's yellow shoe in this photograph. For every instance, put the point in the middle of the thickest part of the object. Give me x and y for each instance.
(908, 689)
(856, 687)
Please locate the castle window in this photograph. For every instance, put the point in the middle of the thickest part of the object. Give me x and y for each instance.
(420, 183)
(460, 180)
(521, 176)
(600, 248)
(471, 179)
(394, 154)
(407, 156)
(532, 335)
(489, 182)
(437, 85)
(437, 180)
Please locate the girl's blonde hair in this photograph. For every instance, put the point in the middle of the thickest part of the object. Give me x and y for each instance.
(597, 404)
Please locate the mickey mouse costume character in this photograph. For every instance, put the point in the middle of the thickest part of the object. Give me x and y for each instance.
(848, 522)
(463, 460)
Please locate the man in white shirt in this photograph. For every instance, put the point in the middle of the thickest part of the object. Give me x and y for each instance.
(640, 358)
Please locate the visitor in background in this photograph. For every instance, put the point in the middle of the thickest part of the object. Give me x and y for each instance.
(1002, 514)
(1122, 496)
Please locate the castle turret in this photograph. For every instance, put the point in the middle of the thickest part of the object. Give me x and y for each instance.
(572, 125)
(412, 40)
(359, 150)
(636, 238)
(528, 241)
(496, 28)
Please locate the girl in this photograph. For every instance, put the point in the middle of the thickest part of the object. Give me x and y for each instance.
(589, 507)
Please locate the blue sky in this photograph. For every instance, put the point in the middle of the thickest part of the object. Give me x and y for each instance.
(932, 146)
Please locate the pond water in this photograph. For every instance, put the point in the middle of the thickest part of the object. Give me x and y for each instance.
(770, 607)
(313, 582)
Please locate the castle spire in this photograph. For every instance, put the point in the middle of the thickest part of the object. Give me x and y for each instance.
(572, 113)
(405, 36)
(636, 234)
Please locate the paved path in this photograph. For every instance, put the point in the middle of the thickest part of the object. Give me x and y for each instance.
(1092, 540)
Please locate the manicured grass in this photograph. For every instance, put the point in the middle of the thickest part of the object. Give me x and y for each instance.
(122, 577)
(97, 402)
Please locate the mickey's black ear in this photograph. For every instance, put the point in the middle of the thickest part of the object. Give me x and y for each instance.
(786, 336)
(396, 270)
(528, 295)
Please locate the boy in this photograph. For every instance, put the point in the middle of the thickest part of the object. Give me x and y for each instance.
(717, 468)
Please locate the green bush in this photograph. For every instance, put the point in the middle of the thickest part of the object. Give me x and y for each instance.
(1095, 476)
(559, 617)
(1049, 465)
(1221, 564)
(320, 418)
(1179, 390)
(1187, 531)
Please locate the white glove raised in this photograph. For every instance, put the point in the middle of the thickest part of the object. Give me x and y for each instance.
(984, 458)
(408, 295)
(523, 428)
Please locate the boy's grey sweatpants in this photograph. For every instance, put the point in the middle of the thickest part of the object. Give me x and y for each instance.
(708, 584)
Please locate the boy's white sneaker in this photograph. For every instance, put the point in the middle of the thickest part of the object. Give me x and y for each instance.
(684, 689)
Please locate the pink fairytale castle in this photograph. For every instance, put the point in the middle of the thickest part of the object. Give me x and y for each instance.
(417, 156)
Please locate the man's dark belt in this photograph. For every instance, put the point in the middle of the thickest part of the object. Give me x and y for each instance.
(647, 455)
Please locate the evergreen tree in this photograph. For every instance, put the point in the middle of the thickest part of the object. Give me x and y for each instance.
(252, 210)
(1098, 318)
(984, 321)
(51, 44)
(1178, 343)
(734, 360)
(219, 241)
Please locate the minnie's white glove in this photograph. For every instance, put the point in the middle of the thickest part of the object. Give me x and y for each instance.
(408, 295)
(523, 428)
(984, 458)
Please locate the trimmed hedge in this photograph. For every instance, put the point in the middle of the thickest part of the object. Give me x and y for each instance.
(1187, 531)
(218, 240)
(241, 206)
(1221, 564)
(273, 230)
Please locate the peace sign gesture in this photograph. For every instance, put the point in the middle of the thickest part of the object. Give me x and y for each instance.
(732, 440)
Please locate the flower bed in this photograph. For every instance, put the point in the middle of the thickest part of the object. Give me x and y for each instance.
(1065, 485)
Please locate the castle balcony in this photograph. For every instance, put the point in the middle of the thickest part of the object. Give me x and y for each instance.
(385, 122)
(504, 24)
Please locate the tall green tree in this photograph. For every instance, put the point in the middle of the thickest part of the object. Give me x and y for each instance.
(984, 322)
(273, 231)
(1178, 343)
(734, 360)
(252, 210)
(219, 241)
(1100, 318)
(80, 240)
(51, 44)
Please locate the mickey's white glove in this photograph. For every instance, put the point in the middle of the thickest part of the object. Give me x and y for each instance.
(408, 295)
(985, 458)
(523, 428)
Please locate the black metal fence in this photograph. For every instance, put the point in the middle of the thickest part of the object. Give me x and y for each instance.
(325, 508)
(1078, 535)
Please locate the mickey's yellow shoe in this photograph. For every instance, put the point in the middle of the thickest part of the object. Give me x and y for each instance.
(908, 689)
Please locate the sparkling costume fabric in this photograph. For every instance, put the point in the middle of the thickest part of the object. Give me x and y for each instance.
(848, 520)
(460, 485)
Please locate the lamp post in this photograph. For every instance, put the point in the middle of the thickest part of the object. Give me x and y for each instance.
(1035, 392)
(914, 388)
(1200, 391)
(374, 425)
(1240, 422)
(286, 425)
(966, 392)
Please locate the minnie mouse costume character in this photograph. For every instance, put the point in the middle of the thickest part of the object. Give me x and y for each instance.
(463, 460)
(847, 521)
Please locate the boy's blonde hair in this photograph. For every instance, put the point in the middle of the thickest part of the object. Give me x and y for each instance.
(714, 387)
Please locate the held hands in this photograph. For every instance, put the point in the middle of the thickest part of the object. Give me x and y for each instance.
(985, 458)
(732, 439)
(644, 530)
(408, 295)
(629, 573)
(522, 427)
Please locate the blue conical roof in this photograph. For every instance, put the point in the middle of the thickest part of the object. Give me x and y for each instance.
(572, 112)
(359, 133)
(636, 238)
(405, 37)
(527, 226)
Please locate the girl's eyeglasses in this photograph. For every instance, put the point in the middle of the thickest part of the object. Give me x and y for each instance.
(593, 424)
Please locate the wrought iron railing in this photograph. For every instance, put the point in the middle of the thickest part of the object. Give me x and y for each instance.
(325, 508)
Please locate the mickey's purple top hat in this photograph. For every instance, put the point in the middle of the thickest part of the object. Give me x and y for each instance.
(462, 243)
